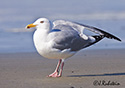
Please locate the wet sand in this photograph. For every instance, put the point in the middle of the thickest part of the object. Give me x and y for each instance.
(86, 69)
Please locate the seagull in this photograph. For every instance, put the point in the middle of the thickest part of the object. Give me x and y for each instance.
(62, 39)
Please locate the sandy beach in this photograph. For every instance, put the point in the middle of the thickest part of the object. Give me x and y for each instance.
(87, 69)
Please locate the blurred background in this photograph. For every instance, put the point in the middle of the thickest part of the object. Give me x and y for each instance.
(108, 15)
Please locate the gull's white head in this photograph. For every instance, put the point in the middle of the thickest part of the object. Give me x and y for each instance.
(41, 23)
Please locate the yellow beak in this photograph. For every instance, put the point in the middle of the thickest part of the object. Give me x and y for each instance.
(30, 26)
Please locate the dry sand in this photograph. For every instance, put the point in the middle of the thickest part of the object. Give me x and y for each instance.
(29, 70)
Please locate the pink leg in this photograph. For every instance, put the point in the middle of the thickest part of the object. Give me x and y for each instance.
(55, 73)
(60, 73)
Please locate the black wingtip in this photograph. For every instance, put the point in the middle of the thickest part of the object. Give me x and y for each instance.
(119, 39)
(108, 35)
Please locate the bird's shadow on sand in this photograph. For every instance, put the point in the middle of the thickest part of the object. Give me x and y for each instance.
(93, 75)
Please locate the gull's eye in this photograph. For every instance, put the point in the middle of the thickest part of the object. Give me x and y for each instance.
(41, 21)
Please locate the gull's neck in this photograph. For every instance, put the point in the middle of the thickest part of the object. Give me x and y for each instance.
(40, 38)
(40, 35)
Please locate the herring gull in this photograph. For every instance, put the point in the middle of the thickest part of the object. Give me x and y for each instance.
(62, 39)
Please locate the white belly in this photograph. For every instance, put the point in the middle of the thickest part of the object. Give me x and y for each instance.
(55, 53)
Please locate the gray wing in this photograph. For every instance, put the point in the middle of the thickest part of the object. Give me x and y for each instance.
(75, 26)
(81, 27)
(65, 37)
(68, 35)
